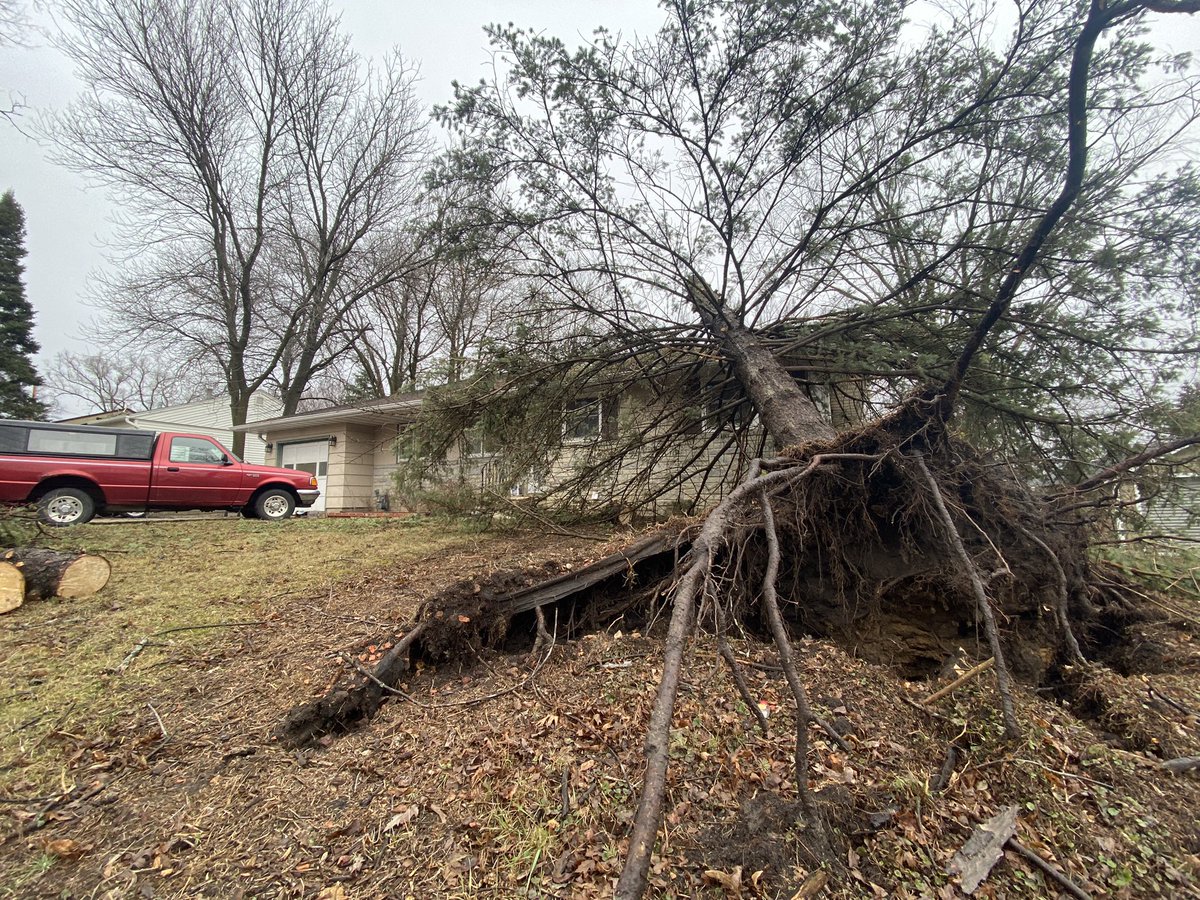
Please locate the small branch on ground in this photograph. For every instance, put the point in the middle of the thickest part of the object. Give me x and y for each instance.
(960, 681)
(947, 771)
(552, 527)
(145, 642)
(1052, 871)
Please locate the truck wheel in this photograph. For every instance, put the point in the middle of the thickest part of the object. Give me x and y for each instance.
(274, 505)
(66, 506)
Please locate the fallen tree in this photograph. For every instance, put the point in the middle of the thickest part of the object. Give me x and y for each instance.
(895, 524)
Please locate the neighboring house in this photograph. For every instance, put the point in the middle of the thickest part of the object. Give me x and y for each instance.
(355, 451)
(209, 417)
(1174, 509)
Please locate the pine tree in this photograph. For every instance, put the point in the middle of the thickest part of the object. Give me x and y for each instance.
(17, 346)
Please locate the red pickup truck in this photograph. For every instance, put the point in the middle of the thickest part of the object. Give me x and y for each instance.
(73, 472)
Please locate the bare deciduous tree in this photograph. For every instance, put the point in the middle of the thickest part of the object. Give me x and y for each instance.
(123, 380)
(255, 162)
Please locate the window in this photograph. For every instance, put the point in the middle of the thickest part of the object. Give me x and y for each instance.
(12, 439)
(195, 450)
(582, 421)
(312, 468)
(78, 442)
(408, 444)
(477, 442)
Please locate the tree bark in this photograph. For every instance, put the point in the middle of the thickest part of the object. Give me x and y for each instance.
(49, 573)
(788, 414)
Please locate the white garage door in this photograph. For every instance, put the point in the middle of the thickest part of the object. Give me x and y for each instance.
(311, 457)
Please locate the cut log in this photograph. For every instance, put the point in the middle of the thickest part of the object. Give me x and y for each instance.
(51, 573)
(12, 587)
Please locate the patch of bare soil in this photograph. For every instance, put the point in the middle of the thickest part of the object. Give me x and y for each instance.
(515, 776)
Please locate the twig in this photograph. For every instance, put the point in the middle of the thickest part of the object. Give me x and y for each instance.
(947, 771)
(1003, 682)
(145, 642)
(960, 681)
(157, 718)
(554, 528)
(1178, 707)
(1133, 462)
(1051, 870)
(77, 794)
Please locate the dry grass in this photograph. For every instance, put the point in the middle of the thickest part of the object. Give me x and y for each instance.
(59, 657)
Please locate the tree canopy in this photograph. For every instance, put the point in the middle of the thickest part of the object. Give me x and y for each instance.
(264, 172)
(847, 189)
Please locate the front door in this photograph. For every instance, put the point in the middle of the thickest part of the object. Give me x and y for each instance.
(311, 457)
(194, 476)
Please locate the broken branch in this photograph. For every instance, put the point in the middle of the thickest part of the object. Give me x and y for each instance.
(960, 681)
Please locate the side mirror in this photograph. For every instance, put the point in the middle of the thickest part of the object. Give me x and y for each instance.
(225, 460)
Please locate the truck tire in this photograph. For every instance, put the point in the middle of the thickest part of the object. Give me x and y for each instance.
(274, 505)
(65, 506)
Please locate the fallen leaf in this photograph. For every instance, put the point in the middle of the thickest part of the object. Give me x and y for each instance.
(65, 848)
(402, 818)
(730, 882)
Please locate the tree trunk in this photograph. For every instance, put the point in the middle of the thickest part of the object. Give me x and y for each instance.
(239, 410)
(49, 573)
(12, 587)
(787, 413)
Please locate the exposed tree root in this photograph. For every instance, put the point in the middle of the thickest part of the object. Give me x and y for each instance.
(481, 614)
(896, 530)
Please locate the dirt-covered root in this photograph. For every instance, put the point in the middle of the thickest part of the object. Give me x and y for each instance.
(499, 612)
(865, 559)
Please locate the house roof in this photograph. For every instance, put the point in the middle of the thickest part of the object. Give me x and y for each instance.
(396, 408)
(99, 418)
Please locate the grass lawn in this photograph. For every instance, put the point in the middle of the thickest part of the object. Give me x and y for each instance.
(59, 657)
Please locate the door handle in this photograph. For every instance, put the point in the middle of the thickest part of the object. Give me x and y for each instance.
(172, 468)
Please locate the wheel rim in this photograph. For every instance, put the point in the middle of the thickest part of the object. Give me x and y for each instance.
(275, 507)
(64, 509)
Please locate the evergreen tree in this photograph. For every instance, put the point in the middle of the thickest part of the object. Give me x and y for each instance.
(17, 346)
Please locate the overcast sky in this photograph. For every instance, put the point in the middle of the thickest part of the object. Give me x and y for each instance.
(67, 220)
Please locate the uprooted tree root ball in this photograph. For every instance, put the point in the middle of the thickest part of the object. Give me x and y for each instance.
(897, 540)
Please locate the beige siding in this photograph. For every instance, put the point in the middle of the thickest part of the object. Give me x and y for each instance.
(352, 480)
(385, 464)
(1176, 511)
(211, 418)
